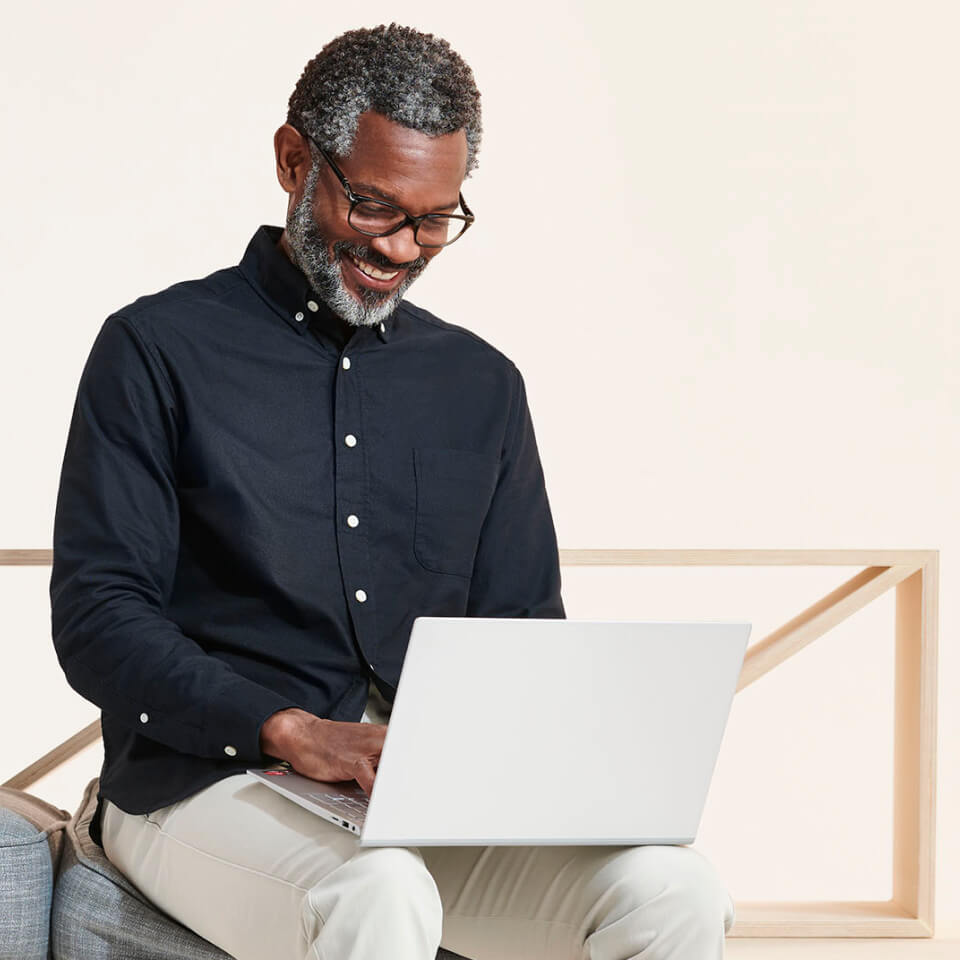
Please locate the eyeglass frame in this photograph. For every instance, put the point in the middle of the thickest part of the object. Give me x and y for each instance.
(356, 198)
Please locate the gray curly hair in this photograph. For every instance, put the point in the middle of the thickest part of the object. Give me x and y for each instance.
(413, 78)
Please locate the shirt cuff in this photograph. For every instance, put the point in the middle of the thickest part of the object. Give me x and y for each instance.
(236, 716)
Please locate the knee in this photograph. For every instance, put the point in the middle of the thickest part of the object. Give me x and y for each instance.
(382, 880)
(700, 888)
(398, 871)
(681, 880)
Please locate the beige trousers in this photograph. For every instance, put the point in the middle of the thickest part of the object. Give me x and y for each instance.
(264, 879)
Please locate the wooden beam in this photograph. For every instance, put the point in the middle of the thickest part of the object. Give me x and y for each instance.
(743, 558)
(53, 758)
(840, 918)
(816, 620)
(26, 558)
(915, 743)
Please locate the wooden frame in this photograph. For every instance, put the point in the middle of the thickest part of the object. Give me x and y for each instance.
(915, 574)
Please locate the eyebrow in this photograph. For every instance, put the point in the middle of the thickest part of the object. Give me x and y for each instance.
(369, 188)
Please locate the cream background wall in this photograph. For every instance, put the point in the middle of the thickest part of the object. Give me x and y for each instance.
(732, 293)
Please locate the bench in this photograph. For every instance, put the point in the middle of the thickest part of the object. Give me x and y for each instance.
(63, 899)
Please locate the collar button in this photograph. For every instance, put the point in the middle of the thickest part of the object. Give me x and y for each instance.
(312, 306)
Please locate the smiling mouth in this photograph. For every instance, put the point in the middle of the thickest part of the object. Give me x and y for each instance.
(372, 272)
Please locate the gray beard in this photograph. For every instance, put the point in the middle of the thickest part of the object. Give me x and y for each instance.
(311, 254)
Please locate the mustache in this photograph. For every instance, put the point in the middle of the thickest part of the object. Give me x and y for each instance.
(374, 258)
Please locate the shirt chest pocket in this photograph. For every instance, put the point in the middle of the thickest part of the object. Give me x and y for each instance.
(454, 489)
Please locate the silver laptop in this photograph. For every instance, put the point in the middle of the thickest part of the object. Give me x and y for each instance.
(530, 732)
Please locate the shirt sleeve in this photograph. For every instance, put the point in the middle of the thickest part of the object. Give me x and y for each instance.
(115, 547)
(517, 567)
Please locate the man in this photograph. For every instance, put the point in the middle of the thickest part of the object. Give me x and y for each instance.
(269, 473)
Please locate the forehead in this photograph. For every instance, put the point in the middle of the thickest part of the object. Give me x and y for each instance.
(406, 164)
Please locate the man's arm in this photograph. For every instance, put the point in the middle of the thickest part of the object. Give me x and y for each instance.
(115, 546)
(517, 568)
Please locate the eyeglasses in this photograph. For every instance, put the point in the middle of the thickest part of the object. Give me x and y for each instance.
(379, 218)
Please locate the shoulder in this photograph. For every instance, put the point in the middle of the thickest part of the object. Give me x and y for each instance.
(183, 303)
(432, 332)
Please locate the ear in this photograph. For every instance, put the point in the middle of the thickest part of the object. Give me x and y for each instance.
(293, 160)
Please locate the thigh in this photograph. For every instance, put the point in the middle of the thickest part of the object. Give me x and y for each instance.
(542, 903)
(233, 863)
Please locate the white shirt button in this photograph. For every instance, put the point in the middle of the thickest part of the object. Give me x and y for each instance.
(345, 363)
(230, 751)
(312, 306)
(352, 520)
(361, 595)
(299, 316)
(350, 440)
(143, 718)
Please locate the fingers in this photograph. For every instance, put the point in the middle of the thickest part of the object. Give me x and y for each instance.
(347, 751)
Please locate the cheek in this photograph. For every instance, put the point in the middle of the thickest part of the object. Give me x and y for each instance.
(328, 223)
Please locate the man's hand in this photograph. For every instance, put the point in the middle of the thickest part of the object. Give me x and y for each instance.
(327, 750)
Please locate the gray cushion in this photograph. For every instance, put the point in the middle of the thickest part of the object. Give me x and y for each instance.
(30, 832)
(98, 914)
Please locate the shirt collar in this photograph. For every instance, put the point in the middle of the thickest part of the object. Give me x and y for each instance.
(285, 287)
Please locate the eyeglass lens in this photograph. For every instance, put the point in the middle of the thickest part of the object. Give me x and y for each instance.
(375, 219)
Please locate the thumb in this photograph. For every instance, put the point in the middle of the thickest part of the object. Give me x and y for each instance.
(365, 774)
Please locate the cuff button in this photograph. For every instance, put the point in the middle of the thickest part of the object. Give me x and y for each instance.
(230, 751)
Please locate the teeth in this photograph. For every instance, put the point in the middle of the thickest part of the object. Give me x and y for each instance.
(372, 271)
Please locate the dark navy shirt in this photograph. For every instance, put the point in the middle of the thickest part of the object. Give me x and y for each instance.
(256, 501)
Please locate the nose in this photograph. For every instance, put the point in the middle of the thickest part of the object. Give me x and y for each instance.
(399, 247)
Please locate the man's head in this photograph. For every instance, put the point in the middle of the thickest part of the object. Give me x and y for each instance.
(399, 114)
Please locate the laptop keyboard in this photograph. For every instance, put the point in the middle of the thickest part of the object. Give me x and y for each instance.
(346, 806)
